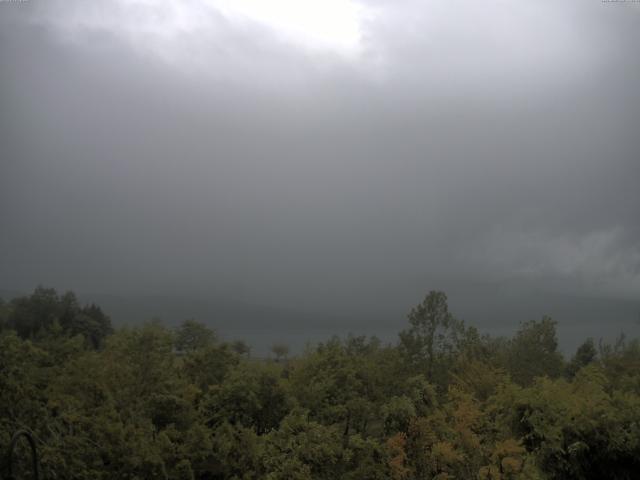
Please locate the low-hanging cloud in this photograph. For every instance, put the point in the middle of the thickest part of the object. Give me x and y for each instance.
(179, 147)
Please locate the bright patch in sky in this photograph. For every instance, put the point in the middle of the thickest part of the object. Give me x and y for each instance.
(162, 25)
(314, 23)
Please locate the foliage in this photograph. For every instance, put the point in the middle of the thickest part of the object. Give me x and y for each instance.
(434, 337)
(534, 352)
(192, 335)
(152, 402)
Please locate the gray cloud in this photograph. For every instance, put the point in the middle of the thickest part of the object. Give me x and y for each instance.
(458, 145)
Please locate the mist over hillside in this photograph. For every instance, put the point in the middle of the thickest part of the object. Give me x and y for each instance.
(498, 310)
(320, 239)
(251, 158)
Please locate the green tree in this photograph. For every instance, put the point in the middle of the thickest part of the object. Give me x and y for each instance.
(208, 366)
(303, 450)
(45, 312)
(585, 354)
(252, 395)
(433, 337)
(534, 352)
(36, 313)
(241, 347)
(280, 351)
(4, 315)
(336, 386)
(192, 335)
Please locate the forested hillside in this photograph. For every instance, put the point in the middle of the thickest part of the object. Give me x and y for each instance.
(444, 402)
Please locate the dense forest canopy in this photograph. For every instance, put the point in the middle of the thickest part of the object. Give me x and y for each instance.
(270, 175)
(444, 402)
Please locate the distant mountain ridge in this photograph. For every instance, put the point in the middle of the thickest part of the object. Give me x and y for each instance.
(491, 309)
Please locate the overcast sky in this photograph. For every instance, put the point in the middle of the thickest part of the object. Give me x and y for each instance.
(320, 155)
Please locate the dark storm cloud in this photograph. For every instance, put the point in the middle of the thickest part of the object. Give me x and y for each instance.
(459, 145)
